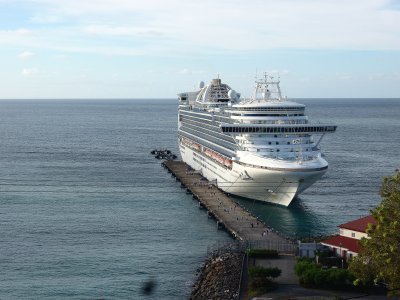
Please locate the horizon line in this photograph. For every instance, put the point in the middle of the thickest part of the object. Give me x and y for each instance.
(151, 98)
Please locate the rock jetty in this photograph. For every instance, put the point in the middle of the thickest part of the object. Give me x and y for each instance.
(219, 278)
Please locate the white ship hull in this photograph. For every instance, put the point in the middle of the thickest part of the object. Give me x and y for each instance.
(261, 148)
(270, 184)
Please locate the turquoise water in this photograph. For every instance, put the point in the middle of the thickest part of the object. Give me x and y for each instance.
(87, 213)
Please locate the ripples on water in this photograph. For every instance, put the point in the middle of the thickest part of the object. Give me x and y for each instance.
(86, 212)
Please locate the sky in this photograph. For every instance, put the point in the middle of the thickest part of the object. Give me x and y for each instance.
(52, 49)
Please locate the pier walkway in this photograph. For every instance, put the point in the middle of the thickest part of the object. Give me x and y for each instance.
(240, 223)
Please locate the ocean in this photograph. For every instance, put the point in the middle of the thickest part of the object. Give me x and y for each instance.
(87, 213)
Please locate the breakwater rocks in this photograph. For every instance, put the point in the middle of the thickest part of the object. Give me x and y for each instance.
(219, 278)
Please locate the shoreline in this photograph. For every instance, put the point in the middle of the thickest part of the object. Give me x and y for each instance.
(219, 277)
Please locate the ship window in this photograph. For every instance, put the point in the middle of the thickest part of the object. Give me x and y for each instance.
(288, 143)
(277, 150)
(277, 143)
(269, 143)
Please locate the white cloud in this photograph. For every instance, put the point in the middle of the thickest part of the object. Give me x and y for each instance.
(21, 31)
(15, 33)
(186, 71)
(60, 56)
(240, 25)
(176, 28)
(26, 72)
(25, 55)
(46, 19)
(121, 30)
(345, 77)
(380, 75)
(183, 71)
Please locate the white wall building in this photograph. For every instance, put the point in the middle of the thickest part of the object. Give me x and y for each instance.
(346, 243)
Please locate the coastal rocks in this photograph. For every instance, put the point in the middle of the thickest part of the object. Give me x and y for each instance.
(219, 278)
(163, 154)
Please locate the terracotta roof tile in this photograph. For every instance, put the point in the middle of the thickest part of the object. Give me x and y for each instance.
(343, 242)
(359, 225)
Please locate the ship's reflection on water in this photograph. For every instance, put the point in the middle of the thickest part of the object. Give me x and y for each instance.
(294, 221)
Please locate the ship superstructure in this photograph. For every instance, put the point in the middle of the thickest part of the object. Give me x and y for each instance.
(261, 148)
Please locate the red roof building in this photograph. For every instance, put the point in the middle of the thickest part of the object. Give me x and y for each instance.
(346, 243)
(359, 225)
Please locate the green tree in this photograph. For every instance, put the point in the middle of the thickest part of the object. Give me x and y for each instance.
(379, 257)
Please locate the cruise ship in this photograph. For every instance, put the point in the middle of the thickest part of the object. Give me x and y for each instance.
(261, 148)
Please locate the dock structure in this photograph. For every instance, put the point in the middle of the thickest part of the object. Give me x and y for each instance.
(239, 222)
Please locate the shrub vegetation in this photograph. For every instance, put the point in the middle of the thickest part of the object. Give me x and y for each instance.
(259, 271)
(262, 253)
(312, 275)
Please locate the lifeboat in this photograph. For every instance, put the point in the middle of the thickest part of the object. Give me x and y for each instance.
(208, 152)
(186, 142)
(228, 163)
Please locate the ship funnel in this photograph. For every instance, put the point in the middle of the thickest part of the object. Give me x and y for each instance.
(216, 81)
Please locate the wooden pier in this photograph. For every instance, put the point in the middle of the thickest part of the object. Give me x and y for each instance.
(240, 223)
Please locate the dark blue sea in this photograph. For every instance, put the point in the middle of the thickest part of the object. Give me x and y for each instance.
(87, 213)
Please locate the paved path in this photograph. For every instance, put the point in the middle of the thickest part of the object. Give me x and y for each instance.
(293, 291)
(237, 220)
(285, 263)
